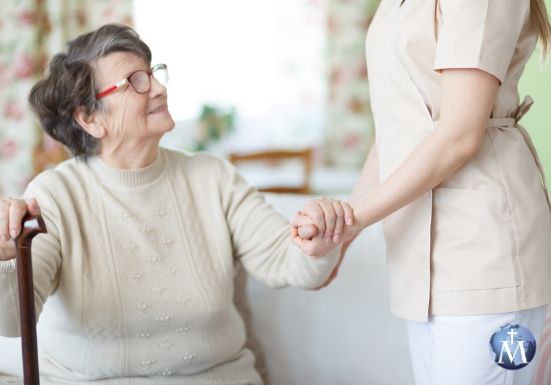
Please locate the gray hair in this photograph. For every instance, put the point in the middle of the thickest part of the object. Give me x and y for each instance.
(70, 83)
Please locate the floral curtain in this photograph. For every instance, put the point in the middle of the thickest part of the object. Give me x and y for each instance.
(31, 32)
(350, 127)
(18, 64)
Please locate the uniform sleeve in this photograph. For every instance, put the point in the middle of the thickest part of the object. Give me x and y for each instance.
(261, 239)
(46, 262)
(480, 34)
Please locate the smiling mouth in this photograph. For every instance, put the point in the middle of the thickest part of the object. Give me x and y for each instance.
(162, 108)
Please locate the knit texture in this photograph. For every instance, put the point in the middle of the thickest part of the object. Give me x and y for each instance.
(134, 279)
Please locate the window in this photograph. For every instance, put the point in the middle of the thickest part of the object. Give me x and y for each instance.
(266, 58)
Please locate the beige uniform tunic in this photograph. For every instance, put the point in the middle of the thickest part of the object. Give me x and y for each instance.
(480, 242)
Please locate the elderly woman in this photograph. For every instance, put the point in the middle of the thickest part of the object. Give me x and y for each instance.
(134, 279)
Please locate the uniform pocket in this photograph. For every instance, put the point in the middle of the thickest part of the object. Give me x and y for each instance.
(472, 240)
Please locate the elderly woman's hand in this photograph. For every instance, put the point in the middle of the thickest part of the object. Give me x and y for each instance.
(12, 212)
(314, 247)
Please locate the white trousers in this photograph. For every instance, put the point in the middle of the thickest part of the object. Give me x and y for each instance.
(455, 350)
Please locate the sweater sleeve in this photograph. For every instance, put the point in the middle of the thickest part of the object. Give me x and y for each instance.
(261, 239)
(46, 261)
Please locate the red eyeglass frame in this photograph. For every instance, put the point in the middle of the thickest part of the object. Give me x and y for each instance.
(126, 81)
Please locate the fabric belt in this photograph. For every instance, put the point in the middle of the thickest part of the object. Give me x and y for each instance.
(522, 109)
(513, 122)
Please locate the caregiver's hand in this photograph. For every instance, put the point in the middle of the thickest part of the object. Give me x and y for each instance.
(320, 226)
(329, 216)
(317, 246)
(12, 212)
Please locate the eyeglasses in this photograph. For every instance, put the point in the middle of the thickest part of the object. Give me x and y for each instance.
(140, 80)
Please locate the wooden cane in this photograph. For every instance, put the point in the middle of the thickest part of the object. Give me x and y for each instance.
(31, 226)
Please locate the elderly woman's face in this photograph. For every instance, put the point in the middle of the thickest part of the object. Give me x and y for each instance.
(130, 116)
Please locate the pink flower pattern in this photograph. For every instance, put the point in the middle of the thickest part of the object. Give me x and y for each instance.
(28, 17)
(350, 126)
(12, 110)
(24, 66)
(8, 149)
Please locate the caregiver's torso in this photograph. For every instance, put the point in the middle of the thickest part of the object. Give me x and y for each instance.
(469, 245)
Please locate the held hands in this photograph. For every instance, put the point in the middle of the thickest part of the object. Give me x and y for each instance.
(12, 212)
(322, 225)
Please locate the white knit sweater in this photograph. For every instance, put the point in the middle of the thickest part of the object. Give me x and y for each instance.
(134, 280)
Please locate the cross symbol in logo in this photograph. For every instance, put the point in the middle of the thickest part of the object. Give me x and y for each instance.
(512, 333)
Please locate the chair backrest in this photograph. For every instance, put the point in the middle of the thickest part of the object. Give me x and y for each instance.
(276, 156)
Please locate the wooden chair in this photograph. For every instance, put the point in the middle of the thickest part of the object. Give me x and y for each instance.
(272, 157)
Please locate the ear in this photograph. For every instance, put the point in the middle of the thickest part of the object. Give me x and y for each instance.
(91, 123)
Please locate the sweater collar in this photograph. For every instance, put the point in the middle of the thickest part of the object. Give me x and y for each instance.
(127, 178)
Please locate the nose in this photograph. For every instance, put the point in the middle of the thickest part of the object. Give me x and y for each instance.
(156, 88)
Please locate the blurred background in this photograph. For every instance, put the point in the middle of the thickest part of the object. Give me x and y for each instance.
(246, 76)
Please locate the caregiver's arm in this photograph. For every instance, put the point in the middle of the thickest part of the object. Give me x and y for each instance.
(369, 176)
(467, 96)
(467, 99)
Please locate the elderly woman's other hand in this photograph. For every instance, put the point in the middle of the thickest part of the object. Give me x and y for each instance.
(12, 212)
